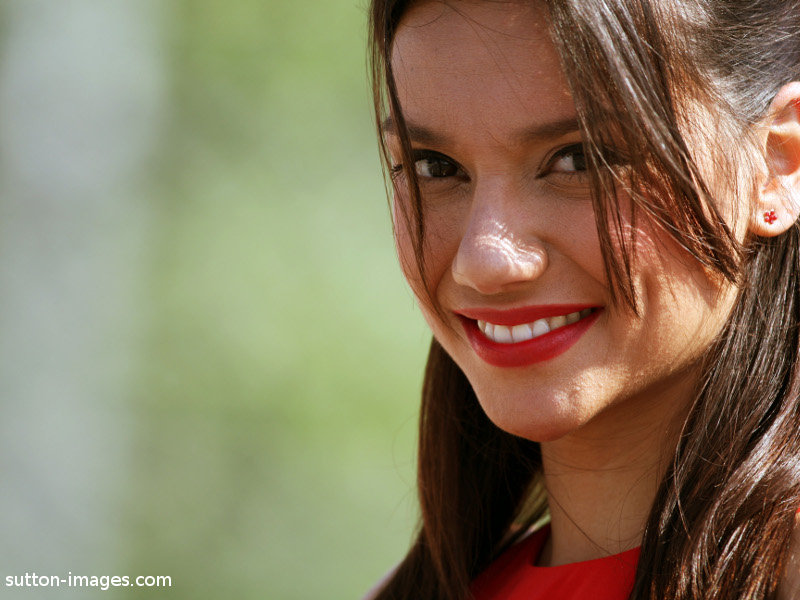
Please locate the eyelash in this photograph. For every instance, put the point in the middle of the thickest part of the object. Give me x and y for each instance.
(562, 153)
(420, 155)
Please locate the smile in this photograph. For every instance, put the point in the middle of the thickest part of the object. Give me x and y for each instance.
(524, 336)
(503, 334)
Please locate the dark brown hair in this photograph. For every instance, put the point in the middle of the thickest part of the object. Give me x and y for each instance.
(721, 521)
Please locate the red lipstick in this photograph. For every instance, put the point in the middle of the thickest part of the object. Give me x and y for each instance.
(538, 349)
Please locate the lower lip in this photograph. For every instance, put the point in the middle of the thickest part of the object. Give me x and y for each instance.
(538, 349)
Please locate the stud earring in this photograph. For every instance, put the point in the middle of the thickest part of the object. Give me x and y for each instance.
(770, 217)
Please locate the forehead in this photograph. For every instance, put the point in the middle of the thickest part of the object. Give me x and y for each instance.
(492, 64)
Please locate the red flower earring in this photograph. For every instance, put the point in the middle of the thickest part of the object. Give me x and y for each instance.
(770, 217)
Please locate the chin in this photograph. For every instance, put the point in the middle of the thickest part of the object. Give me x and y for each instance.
(525, 421)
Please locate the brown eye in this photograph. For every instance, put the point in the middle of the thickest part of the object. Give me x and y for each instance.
(569, 160)
(435, 166)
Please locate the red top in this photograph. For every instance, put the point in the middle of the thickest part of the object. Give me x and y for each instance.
(515, 576)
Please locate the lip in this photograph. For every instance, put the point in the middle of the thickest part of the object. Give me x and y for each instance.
(538, 349)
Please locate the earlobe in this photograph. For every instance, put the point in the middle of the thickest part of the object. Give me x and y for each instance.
(777, 206)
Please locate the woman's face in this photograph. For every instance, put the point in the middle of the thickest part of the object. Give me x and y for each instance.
(512, 252)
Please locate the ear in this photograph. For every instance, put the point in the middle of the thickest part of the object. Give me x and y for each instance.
(777, 205)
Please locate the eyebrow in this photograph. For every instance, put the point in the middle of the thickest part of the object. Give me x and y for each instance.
(535, 132)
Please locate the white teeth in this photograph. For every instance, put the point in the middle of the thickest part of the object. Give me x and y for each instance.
(520, 333)
(502, 334)
(540, 327)
(527, 331)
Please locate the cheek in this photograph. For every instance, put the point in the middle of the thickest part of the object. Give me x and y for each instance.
(685, 306)
(404, 242)
(673, 274)
(404, 246)
(405, 252)
(441, 242)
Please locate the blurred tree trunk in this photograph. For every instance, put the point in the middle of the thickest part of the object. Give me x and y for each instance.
(81, 95)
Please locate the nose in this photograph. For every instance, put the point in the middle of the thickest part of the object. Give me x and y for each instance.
(499, 250)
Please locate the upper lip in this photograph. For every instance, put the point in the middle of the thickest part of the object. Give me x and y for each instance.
(521, 315)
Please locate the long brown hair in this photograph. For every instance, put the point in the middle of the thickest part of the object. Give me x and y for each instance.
(720, 523)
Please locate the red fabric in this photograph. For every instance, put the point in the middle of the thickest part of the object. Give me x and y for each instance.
(515, 576)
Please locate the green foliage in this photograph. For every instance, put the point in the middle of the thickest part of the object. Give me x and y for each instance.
(277, 411)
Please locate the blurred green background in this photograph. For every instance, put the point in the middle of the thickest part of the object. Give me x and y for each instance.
(210, 362)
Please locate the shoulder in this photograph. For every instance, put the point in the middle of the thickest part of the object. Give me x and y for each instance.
(789, 587)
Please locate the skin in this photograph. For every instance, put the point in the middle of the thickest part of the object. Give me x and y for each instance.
(511, 224)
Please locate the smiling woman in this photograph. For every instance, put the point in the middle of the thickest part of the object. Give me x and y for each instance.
(511, 244)
(595, 204)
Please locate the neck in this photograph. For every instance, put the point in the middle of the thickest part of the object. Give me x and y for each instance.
(602, 479)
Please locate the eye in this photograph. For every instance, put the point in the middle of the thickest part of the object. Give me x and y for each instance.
(570, 159)
(433, 165)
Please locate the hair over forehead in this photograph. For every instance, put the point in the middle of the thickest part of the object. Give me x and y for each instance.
(643, 75)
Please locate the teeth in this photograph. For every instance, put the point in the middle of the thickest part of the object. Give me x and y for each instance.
(520, 333)
(502, 334)
(540, 327)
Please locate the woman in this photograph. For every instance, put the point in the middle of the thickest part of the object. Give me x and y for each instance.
(595, 203)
